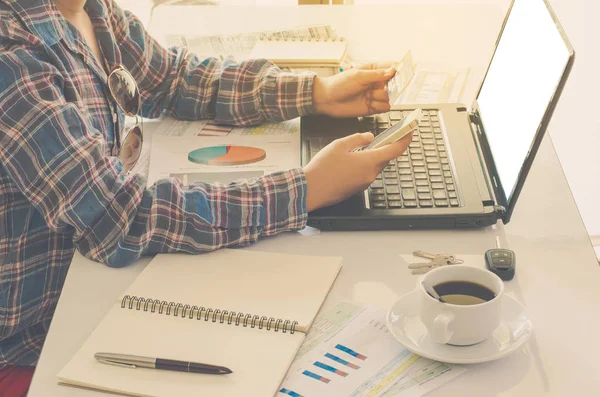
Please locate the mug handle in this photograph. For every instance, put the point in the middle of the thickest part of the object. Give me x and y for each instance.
(440, 333)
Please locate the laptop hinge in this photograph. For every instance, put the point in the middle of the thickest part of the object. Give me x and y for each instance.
(500, 211)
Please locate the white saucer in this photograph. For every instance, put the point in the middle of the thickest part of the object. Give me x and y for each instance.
(404, 323)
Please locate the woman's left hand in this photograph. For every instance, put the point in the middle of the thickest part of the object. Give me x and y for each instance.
(359, 91)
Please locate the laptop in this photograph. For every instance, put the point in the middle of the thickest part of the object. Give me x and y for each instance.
(464, 168)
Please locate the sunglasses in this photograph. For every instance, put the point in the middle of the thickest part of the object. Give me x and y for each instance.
(125, 93)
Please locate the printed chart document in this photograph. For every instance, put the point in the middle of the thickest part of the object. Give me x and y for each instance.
(224, 159)
(349, 352)
(171, 127)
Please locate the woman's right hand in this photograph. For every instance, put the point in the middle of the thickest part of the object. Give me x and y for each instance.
(337, 173)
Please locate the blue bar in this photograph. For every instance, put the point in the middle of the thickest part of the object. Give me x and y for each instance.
(329, 368)
(350, 351)
(289, 392)
(341, 361)
(315, 376)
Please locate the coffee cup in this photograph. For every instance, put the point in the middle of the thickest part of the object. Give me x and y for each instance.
(472, 307)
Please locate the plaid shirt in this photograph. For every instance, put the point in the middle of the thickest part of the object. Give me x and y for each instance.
(63, 188)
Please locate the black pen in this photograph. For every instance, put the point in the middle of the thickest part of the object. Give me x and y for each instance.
(128, 361)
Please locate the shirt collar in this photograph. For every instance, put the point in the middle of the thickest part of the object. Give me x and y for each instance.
(46, 21)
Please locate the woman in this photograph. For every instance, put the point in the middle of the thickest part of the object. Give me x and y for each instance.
(69, 69)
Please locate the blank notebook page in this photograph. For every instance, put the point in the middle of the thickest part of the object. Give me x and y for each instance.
(273, 285)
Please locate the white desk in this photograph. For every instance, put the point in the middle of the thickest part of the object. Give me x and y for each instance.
(557, 276)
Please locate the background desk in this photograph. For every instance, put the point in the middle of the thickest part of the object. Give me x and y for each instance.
(557, 278)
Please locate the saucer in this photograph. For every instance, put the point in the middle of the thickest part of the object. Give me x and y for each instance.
(404, 323)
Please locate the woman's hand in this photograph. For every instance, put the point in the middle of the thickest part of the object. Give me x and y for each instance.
(336, 172)
(359, 91)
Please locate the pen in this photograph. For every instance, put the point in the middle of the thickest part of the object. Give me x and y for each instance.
(128, 361)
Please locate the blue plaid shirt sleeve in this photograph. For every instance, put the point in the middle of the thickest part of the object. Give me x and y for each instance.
(191, 88)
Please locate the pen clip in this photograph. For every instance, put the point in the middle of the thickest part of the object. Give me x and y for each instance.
(116, 363)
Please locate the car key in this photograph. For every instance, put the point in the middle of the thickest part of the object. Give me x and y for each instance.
(501, 261)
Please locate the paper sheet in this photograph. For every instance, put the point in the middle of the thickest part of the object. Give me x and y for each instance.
(431, 84)
(349, 352)
(171, 156)
(169, 126)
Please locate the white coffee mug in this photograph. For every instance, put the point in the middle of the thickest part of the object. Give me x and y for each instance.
(461, 324)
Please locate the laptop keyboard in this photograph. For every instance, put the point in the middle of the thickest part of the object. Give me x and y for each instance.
(422, 177)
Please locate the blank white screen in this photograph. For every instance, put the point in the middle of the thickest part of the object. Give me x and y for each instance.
(523, 75)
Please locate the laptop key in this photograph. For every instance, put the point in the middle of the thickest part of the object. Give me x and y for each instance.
(377, 197)
(395, 204)
(410, 203)
(428, 147)
(376, 191)
(445, 167)
(379, 205)
(424, 196)
(391, 181)
(431, 153)
(377, 184)
(448, 181)
(408, 194)
(421, 176)
(437, 186)
(390, 168)
(414, 144)
(396, 115)
(418, 169)
(423, 183)
(392, 189)
(404, 165)
(441, 203)
(390, 175)
(415, 150)
(447, 174)
(404, 171)
(454, 203)
(451, 187)
(433, 166)
(439, 194)
(406, 178)
(428, 141)
(394, 197)
(418, 163)
(444, 161)
(452, 194)
(406, 185)
(417, 157)
(423, 189)
(435, 172)
(443, 155)
(436, 179)
(426, 203)
(432, 160)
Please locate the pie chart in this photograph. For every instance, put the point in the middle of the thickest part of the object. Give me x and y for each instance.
(226, 155)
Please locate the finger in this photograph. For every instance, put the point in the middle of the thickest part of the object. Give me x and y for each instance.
(354, 141)
(376, 65)
(380, 96)
(366, 77)
(391, 151)
(378, 106)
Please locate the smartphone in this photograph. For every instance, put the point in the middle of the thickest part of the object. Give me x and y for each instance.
(397, 131)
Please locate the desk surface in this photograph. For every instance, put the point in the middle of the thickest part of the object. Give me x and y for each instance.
(557, 276)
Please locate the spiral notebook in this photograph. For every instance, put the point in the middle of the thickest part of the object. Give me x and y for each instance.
(292, 52)
(245, 310)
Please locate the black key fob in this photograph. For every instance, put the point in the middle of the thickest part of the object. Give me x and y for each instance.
(501, 262)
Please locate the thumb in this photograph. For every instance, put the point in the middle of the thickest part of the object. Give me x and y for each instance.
(393, 150)
(375, 76)
(357, 140)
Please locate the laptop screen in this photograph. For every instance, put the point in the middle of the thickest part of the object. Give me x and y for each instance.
(522, 78)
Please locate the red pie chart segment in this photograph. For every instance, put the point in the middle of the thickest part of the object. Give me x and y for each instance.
(226, 155)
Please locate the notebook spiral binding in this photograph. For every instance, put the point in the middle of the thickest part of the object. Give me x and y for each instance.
(207, 314)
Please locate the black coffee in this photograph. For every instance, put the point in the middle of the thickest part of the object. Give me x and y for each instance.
(464, 292)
